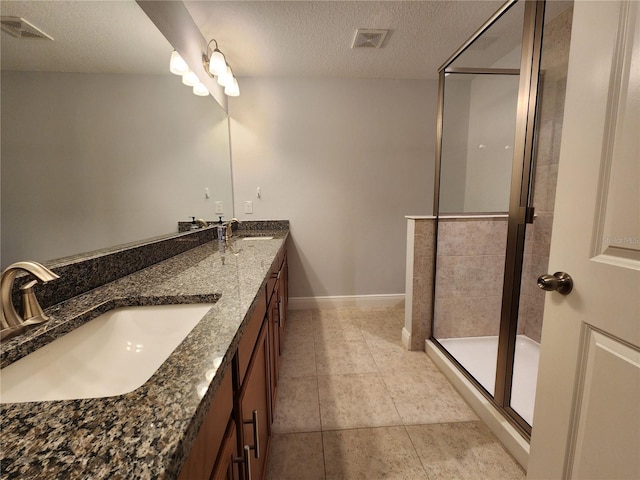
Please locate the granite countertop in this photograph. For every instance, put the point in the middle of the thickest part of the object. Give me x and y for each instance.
(146, 433)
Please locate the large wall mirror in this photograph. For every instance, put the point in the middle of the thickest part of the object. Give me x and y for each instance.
(101, 145)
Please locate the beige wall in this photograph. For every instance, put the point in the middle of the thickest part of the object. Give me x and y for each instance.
(344, 160)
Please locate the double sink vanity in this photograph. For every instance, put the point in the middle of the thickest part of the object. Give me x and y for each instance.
(170, 371)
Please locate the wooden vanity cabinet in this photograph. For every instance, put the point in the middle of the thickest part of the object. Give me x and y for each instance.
(237, 428)
(202, 456)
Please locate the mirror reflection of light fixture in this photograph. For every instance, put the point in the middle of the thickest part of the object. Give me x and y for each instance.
(177, 65)
(200, 89)
(215, 64)
(190, 79)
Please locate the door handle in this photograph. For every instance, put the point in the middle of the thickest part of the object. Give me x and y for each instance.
(245, 460)
(560, 282)
(256, 435)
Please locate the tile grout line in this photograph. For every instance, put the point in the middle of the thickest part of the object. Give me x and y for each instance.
(416, 452)
(315, 365)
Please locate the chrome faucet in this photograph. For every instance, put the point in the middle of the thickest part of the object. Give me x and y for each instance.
(11, 322)
(229, 223)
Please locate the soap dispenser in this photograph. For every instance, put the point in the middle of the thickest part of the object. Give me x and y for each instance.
(194, 224)
(221, 230)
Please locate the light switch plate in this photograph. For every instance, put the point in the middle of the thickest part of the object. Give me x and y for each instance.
(248, 206)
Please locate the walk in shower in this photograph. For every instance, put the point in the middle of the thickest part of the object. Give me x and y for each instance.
(500, 122)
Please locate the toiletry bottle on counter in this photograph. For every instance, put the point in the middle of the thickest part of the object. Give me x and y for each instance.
(221, 230)
(194, 224)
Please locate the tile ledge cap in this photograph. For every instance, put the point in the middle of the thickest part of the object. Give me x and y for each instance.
(419, 217)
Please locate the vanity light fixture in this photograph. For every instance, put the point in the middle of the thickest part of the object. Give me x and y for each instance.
(232, 90)
(215, 64)
(226, 77)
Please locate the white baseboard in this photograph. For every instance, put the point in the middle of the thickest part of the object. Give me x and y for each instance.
(406, 338)
(506, 433)
(386, 300)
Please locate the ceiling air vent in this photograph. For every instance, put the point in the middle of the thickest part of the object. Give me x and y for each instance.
(19, 27)
(367, 38)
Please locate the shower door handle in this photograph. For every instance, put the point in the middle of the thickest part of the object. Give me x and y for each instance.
(560, 282)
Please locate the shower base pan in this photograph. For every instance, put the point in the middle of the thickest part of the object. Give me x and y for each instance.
(478, 356)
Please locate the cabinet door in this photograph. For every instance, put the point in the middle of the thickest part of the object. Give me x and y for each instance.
(283, 291)
(204, 450)
(227, 467)
(255, 405)
(274, 349)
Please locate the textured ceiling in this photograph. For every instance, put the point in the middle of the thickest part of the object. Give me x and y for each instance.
(259, 38)
(89, 36)
(313, 38)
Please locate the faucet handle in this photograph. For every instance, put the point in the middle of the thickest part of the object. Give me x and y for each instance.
(31, 310)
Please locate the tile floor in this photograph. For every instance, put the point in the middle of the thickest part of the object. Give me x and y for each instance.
(354, 404)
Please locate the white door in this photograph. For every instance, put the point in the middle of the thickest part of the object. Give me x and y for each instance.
(587, 412)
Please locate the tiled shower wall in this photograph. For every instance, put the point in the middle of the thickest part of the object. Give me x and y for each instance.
(555, 60)
(469, 276)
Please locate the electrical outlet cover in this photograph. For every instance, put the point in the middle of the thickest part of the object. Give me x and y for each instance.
(248, 206)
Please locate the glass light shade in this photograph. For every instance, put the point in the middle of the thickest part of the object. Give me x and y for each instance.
(177, 65)
(232, 90)
(225, 77)
(200, 90)
(217, 63)
(190, 79)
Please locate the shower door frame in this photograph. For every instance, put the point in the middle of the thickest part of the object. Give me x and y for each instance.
(520, 209)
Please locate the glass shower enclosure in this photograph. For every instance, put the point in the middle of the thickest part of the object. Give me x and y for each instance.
(487, 185)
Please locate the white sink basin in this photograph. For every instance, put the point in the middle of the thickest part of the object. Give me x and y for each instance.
(257, 238)
(112, 354)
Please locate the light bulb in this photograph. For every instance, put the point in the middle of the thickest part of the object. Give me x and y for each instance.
(177, 65)
(217, 63)
(190, 79)
(232, 90)
(226, 77)
(200, 90)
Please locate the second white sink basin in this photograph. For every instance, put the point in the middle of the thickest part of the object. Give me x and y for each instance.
(257, 238)
(112, 354)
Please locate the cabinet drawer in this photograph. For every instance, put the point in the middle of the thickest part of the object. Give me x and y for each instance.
(248, 340)
(204, 451)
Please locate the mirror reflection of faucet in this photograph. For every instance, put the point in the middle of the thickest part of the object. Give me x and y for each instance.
(197, 223)
(230, 225)
(11, 322)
